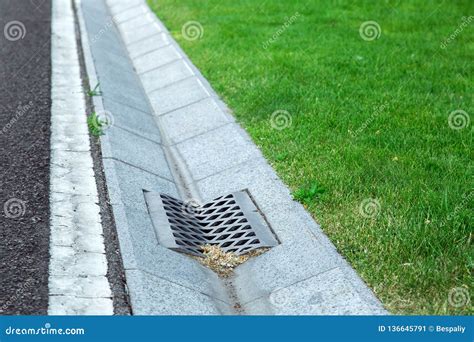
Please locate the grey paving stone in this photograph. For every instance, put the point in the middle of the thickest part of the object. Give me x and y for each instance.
(134, 35)
(105, 60)
(155, 59)
(149, 256)
(128, 189)
(102, 34)
(94, 7)
(119, 70)
(282, 266)
(328, 293)
(136, 23)
(194, 119)
(99, 22)
(120, 82)
(123, 88)
(134, 120)
(178, 95)
(255, 175)
(165, 75)
(94, 10)
(102, 43)
(283, 216)
(130, 13)
(216, 151)
(154, 296)
(137, 151)
(117, 6)
(148, 44)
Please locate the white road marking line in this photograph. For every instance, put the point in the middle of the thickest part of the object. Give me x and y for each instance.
(78, 264)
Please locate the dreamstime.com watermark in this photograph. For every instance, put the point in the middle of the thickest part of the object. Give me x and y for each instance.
(191, 207)
(192, 30)
(461, 205)
(377, 111)
(30, 283)
(14, 30)
(37, 4)
(370, 208)
(458, 119)
(14, 208)
(22, 110)
(288, 22)
(46, 330)
(106, 27)
(285, 297)
(465, 21)
(104, 120)
(280, 119)
(370, 30)
(459, 297)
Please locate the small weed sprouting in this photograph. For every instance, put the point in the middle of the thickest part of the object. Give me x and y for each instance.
(94, 92)
(95, 125)
(307, 193)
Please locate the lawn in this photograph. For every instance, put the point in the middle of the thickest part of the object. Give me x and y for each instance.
(371, 130)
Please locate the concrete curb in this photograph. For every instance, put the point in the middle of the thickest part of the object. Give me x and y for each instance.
(78, 266)
(195, 149)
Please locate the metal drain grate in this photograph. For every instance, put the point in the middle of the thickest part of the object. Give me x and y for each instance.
(231, 222)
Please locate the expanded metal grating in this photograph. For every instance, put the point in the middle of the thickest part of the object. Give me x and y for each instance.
(232, 222)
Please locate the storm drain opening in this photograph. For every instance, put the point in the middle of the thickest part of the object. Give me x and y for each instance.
(231, 224)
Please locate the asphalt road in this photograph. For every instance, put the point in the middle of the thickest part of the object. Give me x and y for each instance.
(25, 81)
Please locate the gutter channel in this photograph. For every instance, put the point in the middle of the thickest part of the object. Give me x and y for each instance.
(183, 181)
(179, 170)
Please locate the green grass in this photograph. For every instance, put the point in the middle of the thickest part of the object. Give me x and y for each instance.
(95, 125)
(369, 120)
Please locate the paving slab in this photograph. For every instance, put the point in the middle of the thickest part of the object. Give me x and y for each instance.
(130, 148)
(132, 181)
(328, 293)
(133, 120)
(112, 60)
(134, 23)
(130, 13)
(177, 95)
(282, 266)
(216, 150)
(119, 86)
(131, 36)
(102, 32)
(166, 75)
(95, 7)
(148, 45)
(255, 175)
(154, 296)
(118, 6)
(193, 120)
(155, 59)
